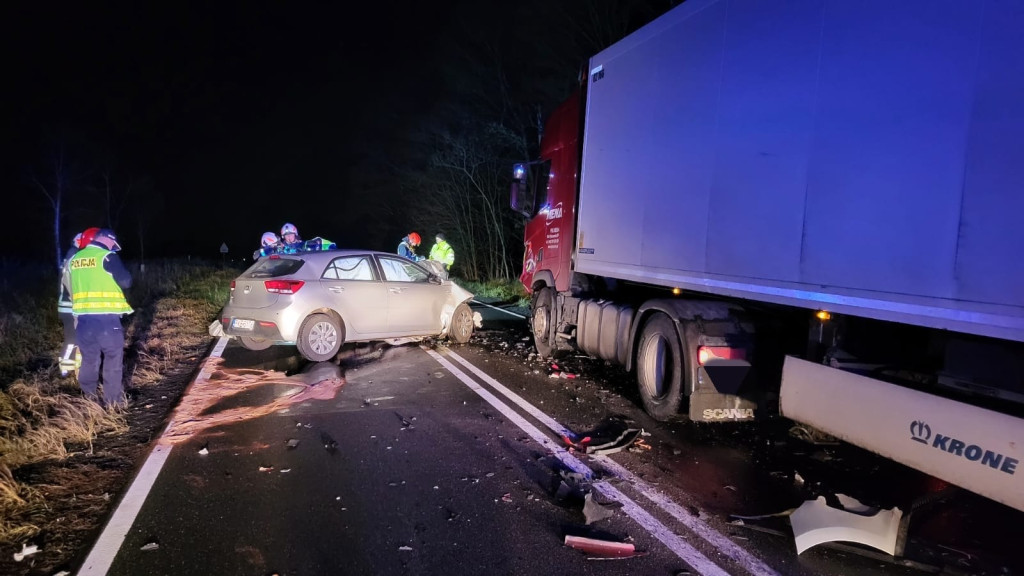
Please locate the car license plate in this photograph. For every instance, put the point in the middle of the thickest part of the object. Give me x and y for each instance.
(243, 324)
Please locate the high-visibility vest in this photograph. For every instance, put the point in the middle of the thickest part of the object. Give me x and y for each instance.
(443, 252)
(93, 289)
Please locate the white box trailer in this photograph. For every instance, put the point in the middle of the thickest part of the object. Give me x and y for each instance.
(857, 160)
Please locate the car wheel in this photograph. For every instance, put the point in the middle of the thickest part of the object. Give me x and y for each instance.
(462, 324)
(542, 322)
(320, 337)
(250, 343)
(659, 368)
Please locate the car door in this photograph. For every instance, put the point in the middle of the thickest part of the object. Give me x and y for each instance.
(355, 291)
(414, 301)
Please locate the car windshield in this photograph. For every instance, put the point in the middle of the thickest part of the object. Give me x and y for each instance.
(275, 267)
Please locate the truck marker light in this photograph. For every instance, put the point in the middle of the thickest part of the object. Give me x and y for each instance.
(676, 291)
(823, 316)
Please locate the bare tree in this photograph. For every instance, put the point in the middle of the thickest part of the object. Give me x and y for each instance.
(54, 190)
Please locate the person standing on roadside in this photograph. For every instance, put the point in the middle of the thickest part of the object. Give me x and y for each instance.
(98, 282)
(64, 311)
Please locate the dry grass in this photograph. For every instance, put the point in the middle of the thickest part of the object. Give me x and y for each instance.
(44, 418)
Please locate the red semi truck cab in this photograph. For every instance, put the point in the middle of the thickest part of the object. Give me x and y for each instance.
(546, 194)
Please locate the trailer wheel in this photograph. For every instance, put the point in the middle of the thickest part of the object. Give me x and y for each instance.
(660, 367)
(542, 322)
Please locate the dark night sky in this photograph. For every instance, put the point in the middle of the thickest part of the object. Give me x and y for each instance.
(240, 116)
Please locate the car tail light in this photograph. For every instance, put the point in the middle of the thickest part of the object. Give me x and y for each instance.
(232, 285)
(283, 286)
(708, 353)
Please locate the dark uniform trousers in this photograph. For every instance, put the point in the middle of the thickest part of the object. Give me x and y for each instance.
(101, 336)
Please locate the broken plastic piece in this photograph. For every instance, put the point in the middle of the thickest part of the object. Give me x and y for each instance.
(204, 451)
(26, 550)
(593, 511)
(292, 443)
(266, 468)
(815, 522)
(600, 547)
(405, 549)
(150, 547)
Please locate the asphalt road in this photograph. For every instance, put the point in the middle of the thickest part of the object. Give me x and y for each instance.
(420, 459)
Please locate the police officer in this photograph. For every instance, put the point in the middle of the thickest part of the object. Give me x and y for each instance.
(98, 281)
(442, 251)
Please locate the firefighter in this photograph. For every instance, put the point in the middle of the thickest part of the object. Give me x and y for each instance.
(290, 239)
(64, 310)
(442, 252)
(269, 244)
(98, 281)
(407, 248)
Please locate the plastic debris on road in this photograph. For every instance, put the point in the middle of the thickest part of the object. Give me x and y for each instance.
(595, 512)
(150, 547)
(815, 522)
(26, 551)
(601, 548)
(612, 435)
(292, 443)
(405, 549)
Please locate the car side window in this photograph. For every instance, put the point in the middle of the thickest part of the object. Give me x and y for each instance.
(402, 270)
(349, 268)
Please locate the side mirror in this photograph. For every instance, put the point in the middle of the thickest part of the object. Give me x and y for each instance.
(519, 197)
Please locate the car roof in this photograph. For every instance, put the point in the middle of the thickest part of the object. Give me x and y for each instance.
(318, 255)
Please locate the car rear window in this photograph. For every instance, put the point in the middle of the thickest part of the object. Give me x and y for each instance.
(276, 267)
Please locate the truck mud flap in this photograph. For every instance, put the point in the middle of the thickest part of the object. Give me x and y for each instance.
(971, 447)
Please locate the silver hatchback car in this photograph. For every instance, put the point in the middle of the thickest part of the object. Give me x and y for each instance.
(321, 300)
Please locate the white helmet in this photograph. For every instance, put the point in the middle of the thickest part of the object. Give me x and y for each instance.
(269, 239)
(289, 228)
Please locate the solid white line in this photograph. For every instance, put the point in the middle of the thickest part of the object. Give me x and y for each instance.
(700, 563)
(499, 309)
(750, 562)
(105, 550)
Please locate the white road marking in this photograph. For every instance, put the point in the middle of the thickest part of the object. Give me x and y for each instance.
(693, 557)
(499, 309)
(105, 550)
(749, 562)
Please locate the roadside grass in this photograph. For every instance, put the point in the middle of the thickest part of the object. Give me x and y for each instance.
(503, 291)
(44, 418)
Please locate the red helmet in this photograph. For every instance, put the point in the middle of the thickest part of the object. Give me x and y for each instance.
(414, 239)
(88, 236)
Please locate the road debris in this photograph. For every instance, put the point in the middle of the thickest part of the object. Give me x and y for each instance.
(594, 511)
(506, 497)
(612, 435)
(292, 443)
(150, 547)
(285, 470)
(330, 444)
(405, 422)
(266, 468)
(404, 549)
(816, 522)
(26, 550)
(601, 548)
(205, 449)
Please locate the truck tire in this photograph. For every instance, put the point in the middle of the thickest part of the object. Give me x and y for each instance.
(660, 367)
(462, 324)
(250, 343)
(320, 337)
(542, 322)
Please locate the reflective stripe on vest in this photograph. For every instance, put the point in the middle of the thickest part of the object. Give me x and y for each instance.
(93, 289)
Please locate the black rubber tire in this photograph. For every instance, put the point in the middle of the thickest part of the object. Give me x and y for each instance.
(250, 343)
(461, 329)
(541, 325)
(660, 368)
(320, 337)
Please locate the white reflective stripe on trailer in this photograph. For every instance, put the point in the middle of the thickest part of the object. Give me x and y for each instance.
(968, 446)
